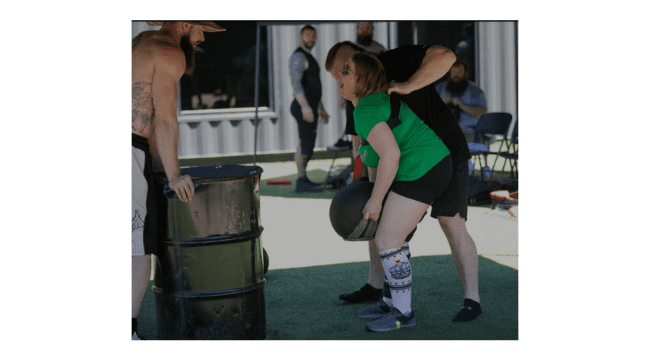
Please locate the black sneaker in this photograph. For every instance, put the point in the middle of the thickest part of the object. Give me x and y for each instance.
(303, 185)
(470, 311)
(366, 294)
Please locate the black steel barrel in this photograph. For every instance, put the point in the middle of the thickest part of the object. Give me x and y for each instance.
(209, 276)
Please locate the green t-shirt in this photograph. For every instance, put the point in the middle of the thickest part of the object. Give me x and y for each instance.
(421, 149)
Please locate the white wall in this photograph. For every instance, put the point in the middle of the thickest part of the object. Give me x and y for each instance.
(497, 66)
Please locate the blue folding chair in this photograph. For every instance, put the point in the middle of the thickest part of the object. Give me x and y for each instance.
(512, 154)
(486, 129)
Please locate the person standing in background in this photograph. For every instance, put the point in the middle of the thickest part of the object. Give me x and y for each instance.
(306, 106)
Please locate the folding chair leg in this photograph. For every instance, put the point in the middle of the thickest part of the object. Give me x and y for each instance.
(503, 168)
(336, 153)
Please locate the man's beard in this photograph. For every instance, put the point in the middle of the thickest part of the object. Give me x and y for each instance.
(364, 40)
(309, 45)
(457, 88)
(190, 53)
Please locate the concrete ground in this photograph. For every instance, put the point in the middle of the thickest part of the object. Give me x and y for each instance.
(297, 231)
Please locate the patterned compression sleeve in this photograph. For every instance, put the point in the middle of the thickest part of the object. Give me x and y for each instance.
(296, 69)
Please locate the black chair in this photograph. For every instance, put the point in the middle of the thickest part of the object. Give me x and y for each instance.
(486, 130)
(341, 146)
(512, 154)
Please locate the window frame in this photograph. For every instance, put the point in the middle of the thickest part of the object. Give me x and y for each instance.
(185, 116)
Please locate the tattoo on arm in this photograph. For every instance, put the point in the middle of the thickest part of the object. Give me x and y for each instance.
(296, 70)
(142, 106)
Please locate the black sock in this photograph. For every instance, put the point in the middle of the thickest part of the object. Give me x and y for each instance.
(368, 287)
(134, 325)
(365, 293)
(470, 311)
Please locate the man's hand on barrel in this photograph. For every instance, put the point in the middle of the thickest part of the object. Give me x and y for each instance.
(182, 186)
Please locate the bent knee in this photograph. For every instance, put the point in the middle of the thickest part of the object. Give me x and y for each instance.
(452, 224)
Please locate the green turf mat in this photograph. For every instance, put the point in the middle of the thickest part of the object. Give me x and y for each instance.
(303, 304)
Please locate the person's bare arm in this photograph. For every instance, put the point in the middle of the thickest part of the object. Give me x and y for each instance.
(297, 66)
(436, 63)
(383, 141)
(170, 65)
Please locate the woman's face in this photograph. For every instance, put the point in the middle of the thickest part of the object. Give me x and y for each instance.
(349, 81)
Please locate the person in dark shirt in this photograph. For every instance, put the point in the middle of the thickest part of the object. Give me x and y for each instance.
(306, 107)
(411, 71)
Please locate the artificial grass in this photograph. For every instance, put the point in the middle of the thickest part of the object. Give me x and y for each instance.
(303, 304)
(288, 190)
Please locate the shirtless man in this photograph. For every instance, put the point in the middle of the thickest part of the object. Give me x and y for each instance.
(159, 59)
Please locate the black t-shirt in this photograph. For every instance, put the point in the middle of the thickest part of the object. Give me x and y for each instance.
(399, 65)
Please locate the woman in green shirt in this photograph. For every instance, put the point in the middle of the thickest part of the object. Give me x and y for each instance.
(409, 165)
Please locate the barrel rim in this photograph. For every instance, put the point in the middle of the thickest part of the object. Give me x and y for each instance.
(162, 178)
(209, 294)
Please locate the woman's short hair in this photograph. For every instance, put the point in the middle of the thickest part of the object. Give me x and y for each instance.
(371, 77)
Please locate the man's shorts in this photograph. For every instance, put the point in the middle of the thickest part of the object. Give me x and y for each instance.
(143, 199)
(306, 131)
(454, 199)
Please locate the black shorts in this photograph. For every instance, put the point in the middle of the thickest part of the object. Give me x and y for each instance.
(430, 186)
(306, 131)
(454, 200)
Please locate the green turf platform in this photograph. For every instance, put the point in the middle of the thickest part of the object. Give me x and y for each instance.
(303, 304)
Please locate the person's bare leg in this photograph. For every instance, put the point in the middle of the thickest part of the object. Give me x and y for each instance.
(463, 252)
(376, 274)
(141, 274)
(399, 217)
(465, 256)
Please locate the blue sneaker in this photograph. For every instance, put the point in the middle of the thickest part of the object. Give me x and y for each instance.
(394, 320)
(374, 311)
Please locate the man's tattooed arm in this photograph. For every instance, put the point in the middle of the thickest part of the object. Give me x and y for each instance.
(142, 106)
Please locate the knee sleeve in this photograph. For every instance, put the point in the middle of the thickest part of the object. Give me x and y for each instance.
(397, 269)
(385, 292)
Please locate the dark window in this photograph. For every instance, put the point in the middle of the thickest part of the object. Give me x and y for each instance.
(224, 77)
